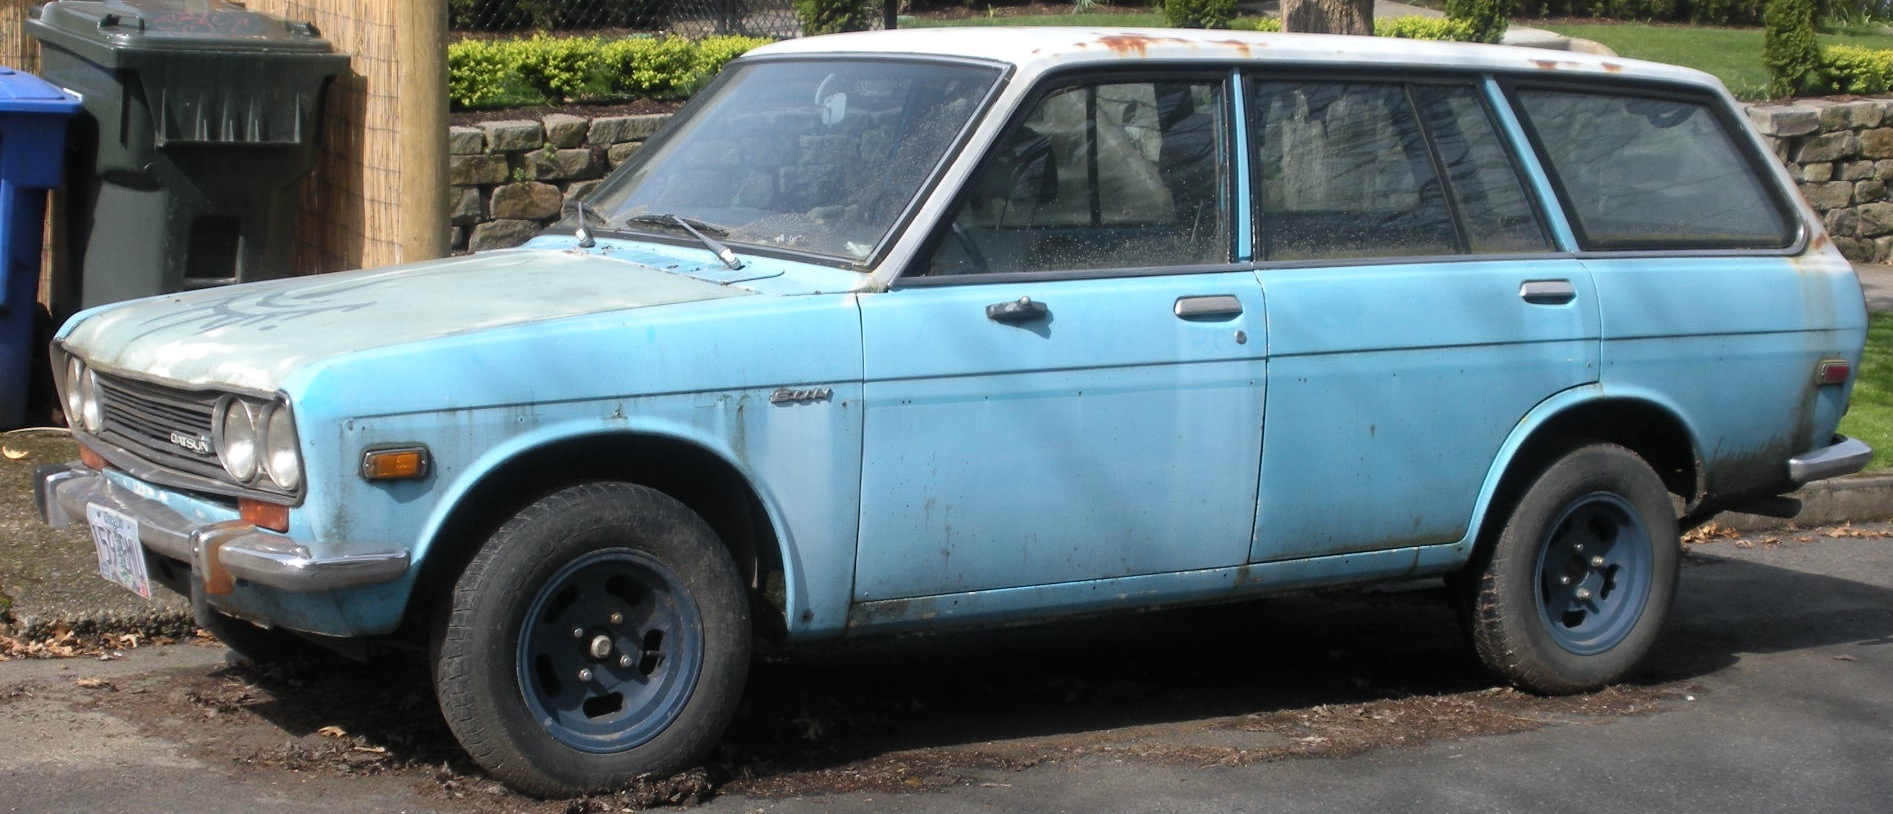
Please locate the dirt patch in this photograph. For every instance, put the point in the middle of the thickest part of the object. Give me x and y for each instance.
(1185, 688)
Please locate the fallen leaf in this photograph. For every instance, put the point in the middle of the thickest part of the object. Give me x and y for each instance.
(93, 683)
(13, 454)
(1845, 658)
(332, 732)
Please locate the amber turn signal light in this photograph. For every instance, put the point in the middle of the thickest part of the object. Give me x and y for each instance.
(400, 463)
(264, 515)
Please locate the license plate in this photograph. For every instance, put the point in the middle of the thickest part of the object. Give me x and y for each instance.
(121, 558)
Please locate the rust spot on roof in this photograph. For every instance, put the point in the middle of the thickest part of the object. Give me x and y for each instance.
(1133, 44)
(1547, 64)
(1613, 67)
(1239, 46)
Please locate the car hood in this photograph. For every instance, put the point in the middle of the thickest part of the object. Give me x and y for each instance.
(253, 336)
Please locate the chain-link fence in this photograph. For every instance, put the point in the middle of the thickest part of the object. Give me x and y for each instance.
(760, 18)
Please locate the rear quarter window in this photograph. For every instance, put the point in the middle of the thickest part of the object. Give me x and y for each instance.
(1653, 172)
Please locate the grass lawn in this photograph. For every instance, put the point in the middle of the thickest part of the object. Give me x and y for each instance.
(1871, 418)
(1734, 55)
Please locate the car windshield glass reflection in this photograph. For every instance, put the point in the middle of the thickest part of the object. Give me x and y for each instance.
(813, 156)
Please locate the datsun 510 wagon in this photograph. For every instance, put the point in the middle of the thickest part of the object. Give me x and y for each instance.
(899, 331)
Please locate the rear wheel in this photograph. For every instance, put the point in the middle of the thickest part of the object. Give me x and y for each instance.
(1581, 577)
(601, 634)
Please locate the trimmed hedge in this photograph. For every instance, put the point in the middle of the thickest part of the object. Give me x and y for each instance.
(1847, 69)
(1410, 28)
(555, 70)
(1199, 13)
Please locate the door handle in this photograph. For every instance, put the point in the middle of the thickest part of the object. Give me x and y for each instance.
(1213, 306)
(1547, 292)
(1017, 312)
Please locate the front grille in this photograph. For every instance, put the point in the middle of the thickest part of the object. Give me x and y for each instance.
(150, 421)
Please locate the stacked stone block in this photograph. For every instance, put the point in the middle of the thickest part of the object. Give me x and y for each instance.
(510, 179)
(1841, 154)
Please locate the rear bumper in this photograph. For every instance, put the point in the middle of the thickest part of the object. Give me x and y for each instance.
(1843, 457)
(231, 548)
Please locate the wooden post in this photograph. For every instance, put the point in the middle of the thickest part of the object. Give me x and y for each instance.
(421, 44)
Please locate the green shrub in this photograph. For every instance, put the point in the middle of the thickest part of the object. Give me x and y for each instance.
(543, 69)
(1199, 13)
(1425, 28)
(1486, 19)
(1272, 24)
(1788, 47)
(1701, 12)
(1847, 69)
(834, 16)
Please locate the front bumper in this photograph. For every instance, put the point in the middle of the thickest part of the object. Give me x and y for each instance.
(1843, 457)
(218, 552)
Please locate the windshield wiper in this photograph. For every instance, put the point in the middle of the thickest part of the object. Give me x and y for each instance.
(697, 229)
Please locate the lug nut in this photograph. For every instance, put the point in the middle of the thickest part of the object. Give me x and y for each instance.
(1597, 562)
(626, 661)
(1584, 593)
(617, 618)
(585, 674)
(1564, 580)
(578, 633)
(1579, 548)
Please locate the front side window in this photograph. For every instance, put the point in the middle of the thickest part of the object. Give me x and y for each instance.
(819, 157)
(1363, 170)
(1107, 175)
(1652, 173)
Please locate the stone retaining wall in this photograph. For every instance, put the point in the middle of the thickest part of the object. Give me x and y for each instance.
(511, 178)
(1842, 154)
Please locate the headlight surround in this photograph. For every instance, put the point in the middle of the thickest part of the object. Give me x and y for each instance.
(75, 405)
(257, 443)
(237, 431)
(282, 449)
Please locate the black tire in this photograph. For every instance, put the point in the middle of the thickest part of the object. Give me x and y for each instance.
(648, 687)
(260, 646)
(1578, 582)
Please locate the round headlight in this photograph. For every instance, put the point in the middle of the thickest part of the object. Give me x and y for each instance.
(282, 457)
(91, 411)
(75, 372)
(236, 439)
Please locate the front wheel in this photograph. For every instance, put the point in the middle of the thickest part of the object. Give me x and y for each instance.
(599, 635)
(1580, 579)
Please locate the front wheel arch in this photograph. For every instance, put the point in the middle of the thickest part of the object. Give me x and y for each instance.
(696, 477)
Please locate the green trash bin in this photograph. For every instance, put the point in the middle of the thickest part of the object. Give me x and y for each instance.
(200, 116)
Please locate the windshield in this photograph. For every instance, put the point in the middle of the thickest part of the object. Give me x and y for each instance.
(811, 156)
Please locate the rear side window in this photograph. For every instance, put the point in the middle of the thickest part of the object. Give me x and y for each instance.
(1652, 173)
(1369, 170)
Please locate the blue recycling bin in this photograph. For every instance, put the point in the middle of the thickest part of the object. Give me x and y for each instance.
(33, 117)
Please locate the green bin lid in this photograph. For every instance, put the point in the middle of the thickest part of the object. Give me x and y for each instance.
(194, 25)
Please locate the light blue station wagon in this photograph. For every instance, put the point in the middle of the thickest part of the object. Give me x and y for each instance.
(898, 331)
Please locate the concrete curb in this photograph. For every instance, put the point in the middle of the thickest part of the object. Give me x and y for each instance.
(1863, 498)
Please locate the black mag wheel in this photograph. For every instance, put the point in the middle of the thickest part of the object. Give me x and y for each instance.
(1580, 579)
(599, 635)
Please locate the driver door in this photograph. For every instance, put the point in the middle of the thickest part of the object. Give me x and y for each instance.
(1070, 388)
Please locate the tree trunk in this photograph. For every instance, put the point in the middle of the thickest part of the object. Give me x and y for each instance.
(1328, 16)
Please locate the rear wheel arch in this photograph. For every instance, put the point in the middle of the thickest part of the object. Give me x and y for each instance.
(705, 482)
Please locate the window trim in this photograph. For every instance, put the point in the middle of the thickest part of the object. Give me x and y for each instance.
(912, 274)
(1761, 168)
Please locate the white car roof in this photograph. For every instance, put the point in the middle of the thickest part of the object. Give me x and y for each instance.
(1033, 50)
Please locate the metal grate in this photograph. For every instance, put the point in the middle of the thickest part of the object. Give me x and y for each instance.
(144, 418)
(692, 18)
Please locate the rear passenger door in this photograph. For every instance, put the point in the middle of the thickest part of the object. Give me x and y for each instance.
(1417, 308)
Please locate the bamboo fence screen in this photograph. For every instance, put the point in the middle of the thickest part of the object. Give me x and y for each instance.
(378, 193)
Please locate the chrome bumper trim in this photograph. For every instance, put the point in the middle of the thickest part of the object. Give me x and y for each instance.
(241, 549)
(1844, 457)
